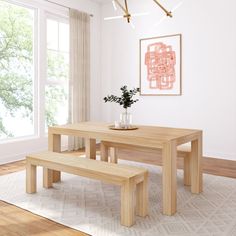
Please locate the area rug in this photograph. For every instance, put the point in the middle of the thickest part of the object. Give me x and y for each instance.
(94, 207)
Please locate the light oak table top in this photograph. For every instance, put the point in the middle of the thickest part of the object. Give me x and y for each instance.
(147, 136)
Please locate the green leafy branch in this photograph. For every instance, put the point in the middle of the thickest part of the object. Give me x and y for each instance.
(126, 98)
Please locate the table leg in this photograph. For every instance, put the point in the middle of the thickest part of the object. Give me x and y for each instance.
(54, 145)
(103, 152)
(196, 167)
(90, 148)
(169, 172)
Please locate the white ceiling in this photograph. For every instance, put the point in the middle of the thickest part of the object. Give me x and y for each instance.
(102, 1)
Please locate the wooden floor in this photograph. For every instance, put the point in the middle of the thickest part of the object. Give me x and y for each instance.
(15, 221)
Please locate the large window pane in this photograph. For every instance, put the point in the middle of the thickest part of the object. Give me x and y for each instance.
(56, 104)
(52, 34)
(57, 66)
(16, 71)
(63, 41)
(56, 89)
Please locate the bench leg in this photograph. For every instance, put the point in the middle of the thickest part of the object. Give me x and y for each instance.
(142, 197)
(187, 173)
(104, 152)
(128, 203)
(30, 178)
(54, 145)
(113, 155)
(56, 176)
(47, 178)
(90, 148)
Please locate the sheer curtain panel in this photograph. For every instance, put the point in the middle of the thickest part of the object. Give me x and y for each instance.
(79, 90)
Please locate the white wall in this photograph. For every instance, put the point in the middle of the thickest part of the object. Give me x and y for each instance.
(17, 149)
(209, 69)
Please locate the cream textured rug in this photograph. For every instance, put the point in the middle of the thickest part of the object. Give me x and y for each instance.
(94, 207)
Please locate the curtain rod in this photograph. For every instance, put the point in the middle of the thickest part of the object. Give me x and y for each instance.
(58, 4)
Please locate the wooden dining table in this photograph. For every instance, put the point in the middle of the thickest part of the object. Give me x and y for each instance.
(154, 137)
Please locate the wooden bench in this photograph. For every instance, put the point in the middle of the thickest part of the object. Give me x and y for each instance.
(130, 178)
(110, 149)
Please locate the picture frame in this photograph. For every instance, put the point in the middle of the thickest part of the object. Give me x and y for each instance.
(161, 66)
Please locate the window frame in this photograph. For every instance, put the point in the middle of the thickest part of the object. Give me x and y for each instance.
(35, 88)
(60, 19)
(27, 144)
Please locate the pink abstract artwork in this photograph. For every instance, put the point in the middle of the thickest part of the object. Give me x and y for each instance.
(160, 61)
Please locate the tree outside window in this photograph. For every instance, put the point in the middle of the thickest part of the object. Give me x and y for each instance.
(16, 69)
(17, 75)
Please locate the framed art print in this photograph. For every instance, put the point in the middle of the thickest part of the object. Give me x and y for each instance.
(160, 65)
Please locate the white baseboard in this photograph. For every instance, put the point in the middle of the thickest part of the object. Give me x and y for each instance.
(21, 156)
(18, 157)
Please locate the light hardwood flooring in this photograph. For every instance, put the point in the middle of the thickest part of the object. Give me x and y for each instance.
(15, 221)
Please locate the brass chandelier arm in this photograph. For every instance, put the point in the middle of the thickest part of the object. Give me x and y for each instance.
(127, 11)
(168, 13)
(120, 5)
(124, 9)
(127, 15)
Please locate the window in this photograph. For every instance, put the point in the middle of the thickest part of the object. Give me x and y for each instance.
(56, 88)
(30, 103)
(16, 71)
(34, 42)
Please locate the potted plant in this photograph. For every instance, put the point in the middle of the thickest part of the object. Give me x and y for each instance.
(126, 100)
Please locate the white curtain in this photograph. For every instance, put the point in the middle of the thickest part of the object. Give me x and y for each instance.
(79, 92)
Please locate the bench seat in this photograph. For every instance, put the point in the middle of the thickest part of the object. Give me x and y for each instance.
(131, 179)
(110, 149)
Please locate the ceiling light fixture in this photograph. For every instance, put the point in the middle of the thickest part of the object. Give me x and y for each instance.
(127, 14)
(172, 10)
(114, 5)
(168, 13)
